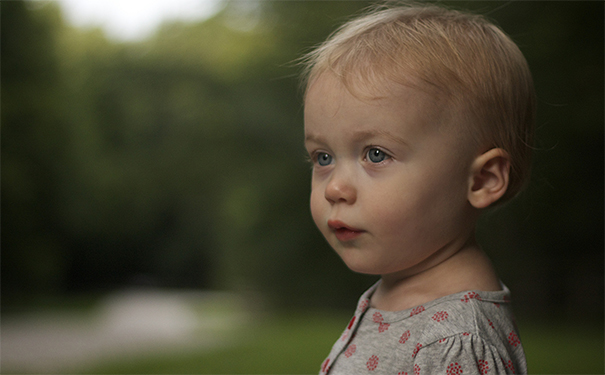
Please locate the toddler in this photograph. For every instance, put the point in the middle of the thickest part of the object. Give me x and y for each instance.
(417, 118)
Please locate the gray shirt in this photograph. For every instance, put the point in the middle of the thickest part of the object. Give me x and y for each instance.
(470, 332)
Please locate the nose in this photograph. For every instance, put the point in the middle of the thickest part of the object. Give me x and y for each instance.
(340, 188)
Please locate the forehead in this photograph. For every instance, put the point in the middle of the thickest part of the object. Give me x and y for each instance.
(329, 99)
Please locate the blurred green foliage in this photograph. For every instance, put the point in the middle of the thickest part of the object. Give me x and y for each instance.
(178, 160)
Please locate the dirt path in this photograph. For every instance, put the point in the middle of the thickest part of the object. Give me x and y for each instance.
(128, 323)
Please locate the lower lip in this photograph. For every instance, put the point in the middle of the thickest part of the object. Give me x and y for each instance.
(344, 234)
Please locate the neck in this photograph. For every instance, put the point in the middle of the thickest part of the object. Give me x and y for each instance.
(456, 268)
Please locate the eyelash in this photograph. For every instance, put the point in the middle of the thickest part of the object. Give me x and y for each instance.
(372, 147)
(312, 158)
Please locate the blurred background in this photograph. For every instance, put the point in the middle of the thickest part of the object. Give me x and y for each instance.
(161, 170)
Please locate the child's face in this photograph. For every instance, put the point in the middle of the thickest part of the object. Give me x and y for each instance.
(390, 178)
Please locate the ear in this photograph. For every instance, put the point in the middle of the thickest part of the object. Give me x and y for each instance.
(489, 177)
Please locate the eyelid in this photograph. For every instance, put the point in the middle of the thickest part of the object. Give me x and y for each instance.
(313, 157)
(382, 149)
(370, 163)
(313, 154)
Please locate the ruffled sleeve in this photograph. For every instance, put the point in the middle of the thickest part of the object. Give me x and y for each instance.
(465, 353)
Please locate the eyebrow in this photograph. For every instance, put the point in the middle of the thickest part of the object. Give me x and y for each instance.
(378, 132)
(361, 135)
(313, 138)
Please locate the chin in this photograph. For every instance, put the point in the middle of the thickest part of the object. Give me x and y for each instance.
(367, 267)
(361, 266)
(365, 271)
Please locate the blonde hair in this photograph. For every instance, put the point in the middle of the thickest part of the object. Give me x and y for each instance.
(461, 56)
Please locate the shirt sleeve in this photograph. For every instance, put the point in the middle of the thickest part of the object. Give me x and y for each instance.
(463, 353)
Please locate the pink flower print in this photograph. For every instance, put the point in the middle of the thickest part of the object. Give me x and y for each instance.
(372, 363)
(442, 341)
(363, 305)
(350, 350)
(497, 304)
(454, 369)
(416, 370)
(325, 367)
(470, 295)
(404, 337)
(440, 316)
(402, 373)
(383, 327)
(377, 317)
(416, 350)
(465, 334)
(509, 365)
(482, 366)
(491, 324)
(417, 310)
(344, 336)
(513, 339)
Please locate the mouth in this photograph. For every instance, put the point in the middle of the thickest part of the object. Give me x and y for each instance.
(344, 232)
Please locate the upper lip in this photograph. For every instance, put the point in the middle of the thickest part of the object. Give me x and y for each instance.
(337, 224)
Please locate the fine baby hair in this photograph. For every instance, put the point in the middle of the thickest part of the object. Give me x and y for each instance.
(458, 56)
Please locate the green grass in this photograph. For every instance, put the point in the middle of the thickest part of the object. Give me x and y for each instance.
(298, 343)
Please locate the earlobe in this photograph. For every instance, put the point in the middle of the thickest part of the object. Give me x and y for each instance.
(489, 177)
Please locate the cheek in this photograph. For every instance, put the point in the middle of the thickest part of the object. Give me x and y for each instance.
(403, 212)
(316, 207)
(426, 213)
(397, 217)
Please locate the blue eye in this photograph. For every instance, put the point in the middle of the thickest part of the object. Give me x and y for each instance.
(324, 159)
(376, 156)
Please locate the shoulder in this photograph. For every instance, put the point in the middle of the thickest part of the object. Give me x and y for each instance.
(482, 314)
(468, 331)
(469, 354)
(472, 329)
